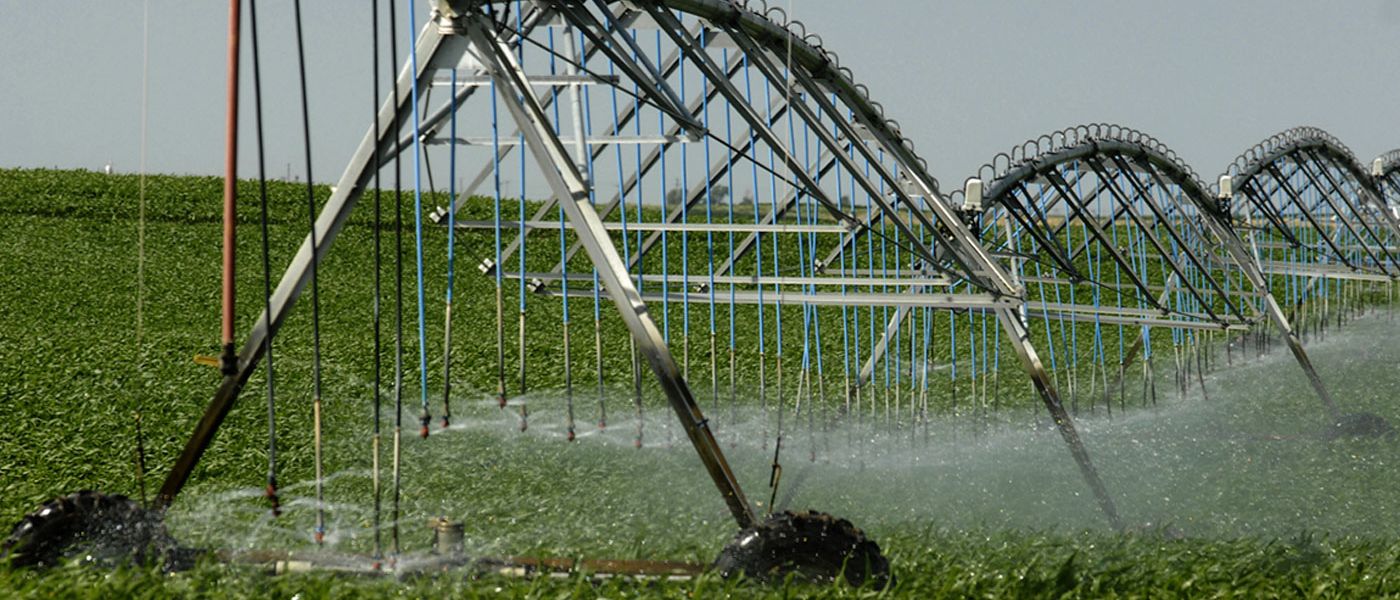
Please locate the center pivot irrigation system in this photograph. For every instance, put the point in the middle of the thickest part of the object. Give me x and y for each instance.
(708, 171)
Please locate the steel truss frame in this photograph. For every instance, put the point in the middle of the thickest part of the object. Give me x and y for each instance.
(1349, 216)
(462, 29)
(1385, 170)
(1129, 166)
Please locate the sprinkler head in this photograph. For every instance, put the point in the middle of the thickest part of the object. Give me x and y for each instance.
(637, 443)
(446, 422)
(423, 432)
(500, 401)
(571, 434)
(320, 536)
(272, 499)
(447, 537)
(602, 425)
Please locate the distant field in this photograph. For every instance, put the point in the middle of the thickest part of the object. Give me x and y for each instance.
(1267, 509)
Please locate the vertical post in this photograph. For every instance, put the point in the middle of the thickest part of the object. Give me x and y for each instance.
(228, 356)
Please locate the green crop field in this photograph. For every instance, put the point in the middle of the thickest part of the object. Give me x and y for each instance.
(1229, 496)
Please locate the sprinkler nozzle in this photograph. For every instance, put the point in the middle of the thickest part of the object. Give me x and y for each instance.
(637, 443)
(271, 495)
(571, 434)
(602, 424)
(500, 400)
(320, 536)
(446, 422)
(424, 423)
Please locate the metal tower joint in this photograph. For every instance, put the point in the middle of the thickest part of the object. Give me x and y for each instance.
(447, 24)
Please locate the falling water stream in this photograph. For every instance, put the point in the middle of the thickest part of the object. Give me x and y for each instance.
(1247, 460)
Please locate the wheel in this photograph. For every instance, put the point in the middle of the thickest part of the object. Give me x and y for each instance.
(1362, 425)
(813, 545)
(103, 528)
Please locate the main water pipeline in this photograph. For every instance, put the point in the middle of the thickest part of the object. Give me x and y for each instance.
(271, 491)
(228, 354)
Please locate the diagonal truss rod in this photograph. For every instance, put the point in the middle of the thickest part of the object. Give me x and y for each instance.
(967, 251)
(1270, 213)
(1352, 211)
(654, 157)
(745, 245)
(707, 66)
(1147, 232)
(631, 111)
(433, 122)
(1072, 200)
(1195, 260)
(718, 169)
(1297, 200)
(1026, 218)
(638, 67)
(648, 163)
(1181, 244)
(569, 186)
(1327, 198)
(829, 140)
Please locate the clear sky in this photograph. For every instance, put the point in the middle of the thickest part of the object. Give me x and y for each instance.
(965, 79)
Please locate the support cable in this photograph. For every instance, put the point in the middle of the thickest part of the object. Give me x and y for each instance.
(271, 491)
(320, 532)
(398, 287)
(425, 418)
(377, 489)
(141, 250)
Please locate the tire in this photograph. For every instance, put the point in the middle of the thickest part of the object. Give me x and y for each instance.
(104, 528)
(814, 546)
(1362, 425)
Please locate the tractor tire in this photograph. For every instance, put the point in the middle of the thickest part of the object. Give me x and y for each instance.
(1362, 425)
(814, 546)
(101, 528)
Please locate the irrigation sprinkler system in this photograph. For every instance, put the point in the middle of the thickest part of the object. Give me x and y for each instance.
(706, 174)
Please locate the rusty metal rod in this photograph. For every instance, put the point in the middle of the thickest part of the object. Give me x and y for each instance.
(228, 354)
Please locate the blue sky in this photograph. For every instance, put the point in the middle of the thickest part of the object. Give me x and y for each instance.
(965, 79)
